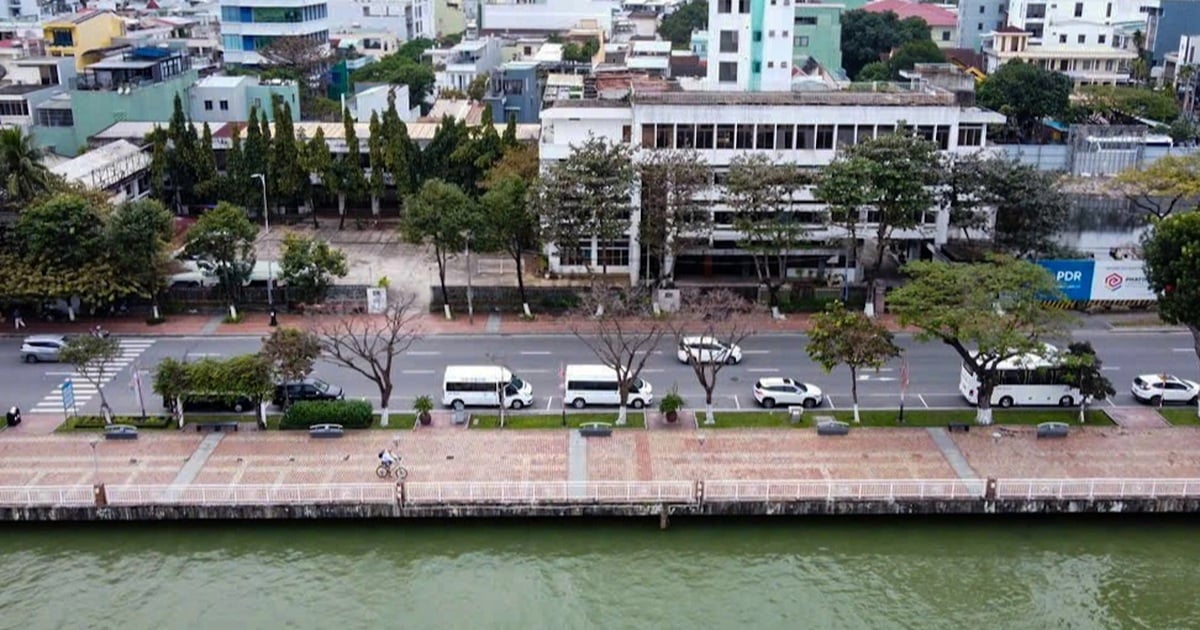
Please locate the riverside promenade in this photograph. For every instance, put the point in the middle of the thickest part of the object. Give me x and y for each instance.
(648, 472)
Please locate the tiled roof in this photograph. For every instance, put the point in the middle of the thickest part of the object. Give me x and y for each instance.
(931, 13)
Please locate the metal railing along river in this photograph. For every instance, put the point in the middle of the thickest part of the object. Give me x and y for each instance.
(596, 492)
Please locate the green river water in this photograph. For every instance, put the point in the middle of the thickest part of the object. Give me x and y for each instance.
(860, 573)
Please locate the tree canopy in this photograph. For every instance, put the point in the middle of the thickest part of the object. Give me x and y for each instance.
(1026, 93)
(1159, 188)
(867, 35)
(403, 67)
(678, 25)
(308, 265)
(1172, 254)
(843, 337)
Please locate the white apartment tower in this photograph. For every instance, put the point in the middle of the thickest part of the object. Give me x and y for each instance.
(750, 45)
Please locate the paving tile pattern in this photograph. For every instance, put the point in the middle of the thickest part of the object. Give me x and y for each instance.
(67, 459)
(1086, 452)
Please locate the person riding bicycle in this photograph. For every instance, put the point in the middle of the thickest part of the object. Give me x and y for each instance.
(387, 459)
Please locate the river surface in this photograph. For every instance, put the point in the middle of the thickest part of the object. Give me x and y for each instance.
(1079, 573)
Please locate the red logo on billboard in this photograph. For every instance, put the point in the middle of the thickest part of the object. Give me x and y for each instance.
(1114, 281)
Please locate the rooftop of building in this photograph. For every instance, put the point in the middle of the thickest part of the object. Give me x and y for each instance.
(96, 167)
(21, 89)
(642, 47)
(933, 14)
(75, 18)
(223, 81)
(878, 94)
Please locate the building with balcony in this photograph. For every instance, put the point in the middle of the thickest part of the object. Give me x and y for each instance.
(515, 91)
(120, 168)
(750, 45)
(805, 128)
(248, 26)
(232, 98)
(1091, 42)
(85, 36)
(456, 67)
(513, 17)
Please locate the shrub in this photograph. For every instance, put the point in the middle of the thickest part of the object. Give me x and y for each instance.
(97, 422)
(351, 414)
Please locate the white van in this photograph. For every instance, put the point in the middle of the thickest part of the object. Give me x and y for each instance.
(597, 385)
(479, 386)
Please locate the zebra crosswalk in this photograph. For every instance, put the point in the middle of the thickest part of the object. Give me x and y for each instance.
(131, 349)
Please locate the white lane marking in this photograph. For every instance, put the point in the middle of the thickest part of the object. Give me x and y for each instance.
(652, 370)
(922, 399)
(205, 354)
(424, 353)
(756, 352)
(1183, 349)
(736, 402)
(417, 372)
(525, 371)
(762, 369)
(549, 401)
(829, 399)
(1109, 368)
(535, 352)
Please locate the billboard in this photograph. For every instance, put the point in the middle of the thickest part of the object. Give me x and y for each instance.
(1074, 277)
(1120, 280)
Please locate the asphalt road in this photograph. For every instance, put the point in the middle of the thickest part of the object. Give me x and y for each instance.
(934, 369)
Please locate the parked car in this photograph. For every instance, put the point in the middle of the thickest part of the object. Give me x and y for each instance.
(37, 348)
(773, 391)
(203, 273)
(1164, 388)
(213, 402)
(708, 350)
(307, 389)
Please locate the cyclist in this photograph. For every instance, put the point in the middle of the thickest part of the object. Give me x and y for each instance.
(387, 459)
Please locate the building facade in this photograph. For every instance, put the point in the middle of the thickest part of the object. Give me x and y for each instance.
(750, 45)
(801, 128)
(457, 67)
(515, 91)
(498, 17)
(231, 99)
(406, 19)
(83, 36)
(977, 18)
(248, 26)
(817, 35)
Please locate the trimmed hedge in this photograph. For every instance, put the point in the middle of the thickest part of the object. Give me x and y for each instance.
(351, 414)
(97, 422)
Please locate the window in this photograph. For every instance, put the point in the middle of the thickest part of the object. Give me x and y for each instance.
(1082, 39)
(970, 135)
(208, 106)
(704, 136)
(745, 137)
(942, 137)
(981, 9)
(979, 26)
(1108, 10)
(756, 36)
(770, 64)
(824, 137)
(14, 108)
(1078, 9)
(1100, 39)
(756, 67)
(784, 136)
(806, 20)
(729, 41)
(724, 6)
(1062, 39)
(771, 33)
(725, 136)
(805, 136)
(764, 137)
(662, 136)
(743, 6)
(627, 134)
(613, 253)
(845, 136)
(864, 133)
(647, 136)
(685, 136)
(801, 41)
(945, 36)
(580, 254)
(224, 106)
(727, 72)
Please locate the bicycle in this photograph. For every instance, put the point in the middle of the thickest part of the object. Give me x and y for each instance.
(396, 470)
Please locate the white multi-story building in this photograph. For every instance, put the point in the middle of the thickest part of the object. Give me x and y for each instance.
(803, 128)
(499, 17)
(750, 45)
(457, 67)
(248, 26)
(406, 19)
(1091, 42)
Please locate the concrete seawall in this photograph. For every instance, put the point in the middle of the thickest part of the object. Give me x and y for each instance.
(343, 511)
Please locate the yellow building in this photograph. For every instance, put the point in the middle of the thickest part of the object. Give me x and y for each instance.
(83, 35)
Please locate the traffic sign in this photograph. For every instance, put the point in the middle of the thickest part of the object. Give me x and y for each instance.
(68, 396)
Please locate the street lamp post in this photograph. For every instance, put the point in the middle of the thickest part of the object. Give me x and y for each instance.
(267, 230)
(95, 462)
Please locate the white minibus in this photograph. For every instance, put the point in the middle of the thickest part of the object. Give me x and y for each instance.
(597, 385)
(480, 386)
(1032, 379)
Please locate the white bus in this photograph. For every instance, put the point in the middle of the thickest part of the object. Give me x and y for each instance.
(1025, 380)
(597, 385)
(480, 386)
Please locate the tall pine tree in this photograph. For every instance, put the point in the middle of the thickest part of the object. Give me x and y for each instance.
(285, 167)
(378, 161)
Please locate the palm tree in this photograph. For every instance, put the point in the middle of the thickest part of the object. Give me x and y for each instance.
(24, 175)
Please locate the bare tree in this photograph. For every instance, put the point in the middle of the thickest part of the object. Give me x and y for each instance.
(719, 314)
(618, 327)
(93, 357)
(369, 345)
(672, 217)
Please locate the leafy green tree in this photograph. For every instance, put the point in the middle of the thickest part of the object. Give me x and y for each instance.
(64, 231)
(1026, 93)
(243, 376)
(437, 158)
(439, 215)
(285, 168)
(763, 193)
(987, 313)
(225, 237)
(184, 161)
(509, 139)
(866, 36)
(403, 67)
(159, 163)
(677, 26)
(672, 218)
(401, 155)
(1084, 370)
(478, 89)
(318, 161)
(207, 181)
(92, 357)
(518, 160)
(1163, 185)
(912, 53)
(309, 266)
(874, 71)
(138, 234)
(24, 174)
(510, 224)
(1030, 208)
(291, 353)
(963, 193)
(377, 157)
(1107, 100)
(347, 176)
(850, 338)
(1172, 255)
(474, 157)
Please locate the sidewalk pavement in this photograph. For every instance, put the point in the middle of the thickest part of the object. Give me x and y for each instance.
(258, 324)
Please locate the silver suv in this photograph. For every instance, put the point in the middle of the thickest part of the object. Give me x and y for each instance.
(42, 347)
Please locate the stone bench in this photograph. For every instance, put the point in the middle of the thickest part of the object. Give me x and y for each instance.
(1053, 430)
(120, 432)
(595, 429)
(960, 427)
(216, 427)
(829, 426)
(326, 431)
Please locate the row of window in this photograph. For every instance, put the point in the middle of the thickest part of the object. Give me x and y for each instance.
(258, 42)
(14, 108)
(472, 387)
(274, 15)
(610, 253)
(787, 137)
(208, 106)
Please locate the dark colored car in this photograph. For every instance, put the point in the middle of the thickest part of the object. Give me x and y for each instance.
(307, 389)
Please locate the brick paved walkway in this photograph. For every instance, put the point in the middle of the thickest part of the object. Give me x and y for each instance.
(157, 458)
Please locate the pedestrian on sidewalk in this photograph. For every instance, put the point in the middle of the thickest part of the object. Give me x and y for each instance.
(18, 322)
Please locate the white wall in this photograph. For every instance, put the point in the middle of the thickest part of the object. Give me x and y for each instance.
(548, 15)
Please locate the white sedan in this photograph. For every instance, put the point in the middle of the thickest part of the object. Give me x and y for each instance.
(1164, 388)
(773, 391)
(707, 350)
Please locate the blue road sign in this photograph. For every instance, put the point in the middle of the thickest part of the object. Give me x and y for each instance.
(68, 395)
